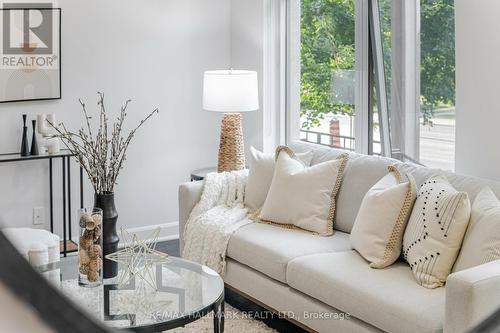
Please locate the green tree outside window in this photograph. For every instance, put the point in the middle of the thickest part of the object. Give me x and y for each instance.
(327, 45)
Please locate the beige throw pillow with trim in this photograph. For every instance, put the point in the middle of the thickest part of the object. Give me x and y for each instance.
(482, 238)
(435, 231)
(260, 176)
(303, 197)
(378, 230)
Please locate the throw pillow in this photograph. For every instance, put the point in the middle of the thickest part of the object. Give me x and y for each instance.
(435, 231)
(301, 196)
(260, 176)
(482, 238)
(378, 230)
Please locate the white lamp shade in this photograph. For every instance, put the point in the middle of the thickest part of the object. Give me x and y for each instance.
(230, 91)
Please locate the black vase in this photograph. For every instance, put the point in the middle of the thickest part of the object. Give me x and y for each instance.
(110, 238)
(24, 141)
(34, 142)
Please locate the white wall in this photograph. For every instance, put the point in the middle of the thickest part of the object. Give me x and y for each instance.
(478, 88)
(153, 52)
(247, 52)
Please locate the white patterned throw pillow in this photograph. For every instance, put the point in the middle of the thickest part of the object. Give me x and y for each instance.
(435, 231)
(378, 230)
(303, 197)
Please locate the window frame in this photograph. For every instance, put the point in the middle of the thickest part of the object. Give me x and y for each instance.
(407, 99)
(292, 76)
(405, 85)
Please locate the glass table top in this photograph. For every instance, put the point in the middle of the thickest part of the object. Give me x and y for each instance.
(184, 288)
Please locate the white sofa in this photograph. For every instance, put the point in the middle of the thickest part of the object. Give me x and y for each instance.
(308, 276)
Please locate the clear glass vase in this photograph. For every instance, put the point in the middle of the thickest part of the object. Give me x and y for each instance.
(90, 247)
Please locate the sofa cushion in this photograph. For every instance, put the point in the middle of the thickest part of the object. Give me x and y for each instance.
(303, 197)
(471, 185)
(268, 249)
(357, 181)
(386, 298)
(482, 239)
(360, 174)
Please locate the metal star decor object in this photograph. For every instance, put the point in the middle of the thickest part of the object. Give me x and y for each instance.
(139, 257)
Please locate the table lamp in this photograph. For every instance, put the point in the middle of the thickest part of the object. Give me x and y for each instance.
(230, 92)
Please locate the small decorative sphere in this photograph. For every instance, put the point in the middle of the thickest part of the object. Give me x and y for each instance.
(89, 234)
(84, 219)
(85, 242)
(90, 225)
(84, 257)
(94, 265)
(97, 233)
(84, 269)
(97, 219)
(93, 234)
(94, 251)
(92, 276)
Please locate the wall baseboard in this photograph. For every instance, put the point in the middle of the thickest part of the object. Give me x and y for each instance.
(168, 231)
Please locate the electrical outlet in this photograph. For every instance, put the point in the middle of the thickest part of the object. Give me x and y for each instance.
(38, 215)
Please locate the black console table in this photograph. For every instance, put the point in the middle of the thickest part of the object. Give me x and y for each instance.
(200, 174)
(67, 245)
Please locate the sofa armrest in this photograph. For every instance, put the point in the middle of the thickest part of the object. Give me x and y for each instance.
(471, 296)
(189, 195)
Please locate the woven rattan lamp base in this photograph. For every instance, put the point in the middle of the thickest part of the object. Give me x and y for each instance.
(231, 147)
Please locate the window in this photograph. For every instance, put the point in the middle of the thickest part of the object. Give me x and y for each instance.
(403, 49)
(419, 61)
(437, 83)
(327, 72)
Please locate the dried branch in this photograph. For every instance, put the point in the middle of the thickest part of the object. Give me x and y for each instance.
(102, 156)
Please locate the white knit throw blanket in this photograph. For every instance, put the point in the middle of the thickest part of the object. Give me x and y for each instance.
(215, 218)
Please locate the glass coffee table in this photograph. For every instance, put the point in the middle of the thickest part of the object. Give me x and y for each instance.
(186, 291)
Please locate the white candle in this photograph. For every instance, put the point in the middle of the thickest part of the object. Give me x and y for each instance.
(40, 120)
(52, 118)
(53, 146)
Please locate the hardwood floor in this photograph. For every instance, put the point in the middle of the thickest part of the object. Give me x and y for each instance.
(239, 302)
(171, 247)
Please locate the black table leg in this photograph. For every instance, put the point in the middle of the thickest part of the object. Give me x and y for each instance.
(223, 317)
(68, 163)
(81, 187)
(65, 250)
(131, 317)
(219, 315)
(51, 195)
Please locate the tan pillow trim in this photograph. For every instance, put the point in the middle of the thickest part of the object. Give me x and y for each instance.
(397, 174)
(256, 218)
(402, 217)
(290, 152)
(333, 205)
(286, 149)
(331, 213)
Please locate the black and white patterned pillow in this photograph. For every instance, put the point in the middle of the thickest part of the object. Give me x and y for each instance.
(435, 231)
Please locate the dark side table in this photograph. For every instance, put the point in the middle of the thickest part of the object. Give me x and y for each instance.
(200, 174)
(65, 155)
